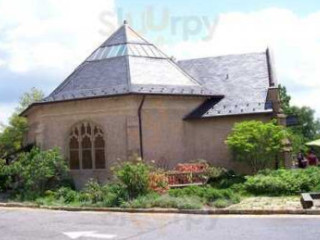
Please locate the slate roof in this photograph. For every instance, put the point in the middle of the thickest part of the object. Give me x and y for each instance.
(127, 63)
(243, 79)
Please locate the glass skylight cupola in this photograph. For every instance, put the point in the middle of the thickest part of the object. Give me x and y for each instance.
(137, 50)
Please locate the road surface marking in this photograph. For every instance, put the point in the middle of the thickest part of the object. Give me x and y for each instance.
(91, 234)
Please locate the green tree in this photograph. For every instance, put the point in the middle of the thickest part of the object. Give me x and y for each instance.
(34, 95)
(256, 143)
(285, 99)
(11, 138)
(307, 128)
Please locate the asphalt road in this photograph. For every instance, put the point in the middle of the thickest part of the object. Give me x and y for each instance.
(42, 224)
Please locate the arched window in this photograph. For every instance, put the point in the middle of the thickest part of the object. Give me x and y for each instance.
(86, 147)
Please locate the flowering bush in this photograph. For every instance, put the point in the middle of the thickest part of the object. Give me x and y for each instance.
(191, 167)
(186, 173)
(158, 182)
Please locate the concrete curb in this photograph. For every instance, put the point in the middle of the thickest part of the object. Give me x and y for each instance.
(170, 211)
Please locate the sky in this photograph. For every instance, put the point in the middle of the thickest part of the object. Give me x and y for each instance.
(43, 41)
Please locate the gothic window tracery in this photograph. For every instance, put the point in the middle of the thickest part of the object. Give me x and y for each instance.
(86, 147)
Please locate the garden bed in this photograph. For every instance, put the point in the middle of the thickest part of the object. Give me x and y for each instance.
(138, 185)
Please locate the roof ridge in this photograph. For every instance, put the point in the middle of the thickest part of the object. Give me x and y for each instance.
(177, 66)
(184, 72)
(128, 73)
(125, 30)
(222, 56)
(140, 36)
(111, 36)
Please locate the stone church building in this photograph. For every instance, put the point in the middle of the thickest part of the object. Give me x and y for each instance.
(128, 97)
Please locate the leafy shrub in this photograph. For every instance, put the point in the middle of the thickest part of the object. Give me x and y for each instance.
(221, 203)
(215, 173)
(134, 175)
(228, 179)
(283, 182)
(67, 195)
(117, 194)
(38, 171)
(60, 197)
(207, 194)
(94, 194)
(165, 201)
(109, 195)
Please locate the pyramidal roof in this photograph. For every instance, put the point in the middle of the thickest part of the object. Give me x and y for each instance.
(127, 63)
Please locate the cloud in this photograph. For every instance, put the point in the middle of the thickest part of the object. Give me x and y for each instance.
(295, 42)
(5, 112)
(42, 41)
(50, 34)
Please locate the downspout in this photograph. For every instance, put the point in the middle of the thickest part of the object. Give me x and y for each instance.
(140, 125)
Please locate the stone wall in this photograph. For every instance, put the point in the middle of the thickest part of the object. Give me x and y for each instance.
(50, 125)
(167, 138)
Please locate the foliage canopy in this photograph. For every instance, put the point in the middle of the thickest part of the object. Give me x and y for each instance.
(37, 171)
(256, 143)
(307, 128)
(11, 138)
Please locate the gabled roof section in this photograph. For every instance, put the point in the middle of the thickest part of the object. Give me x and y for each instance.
(126, 63)
(243, 79)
